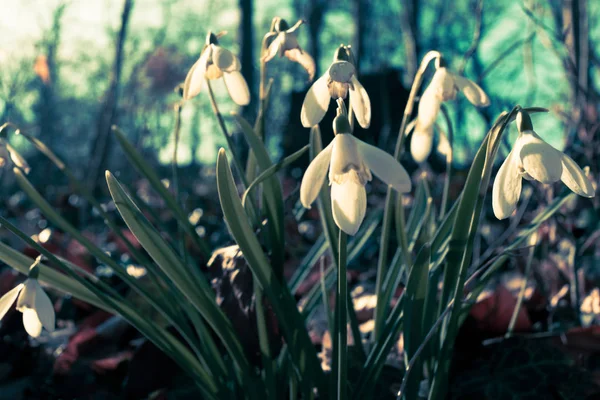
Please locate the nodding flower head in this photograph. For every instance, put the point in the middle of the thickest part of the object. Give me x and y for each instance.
(282, 41)
(534, 159)
(216, 62)
(33, 302)
(443, 87)
(350, 163)
(337, 82)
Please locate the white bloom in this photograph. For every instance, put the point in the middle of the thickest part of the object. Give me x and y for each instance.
(216, 62)
(282, 41)
(8, 156)
(443, 87)
(350, 162)
(335, 83)
(35, 305)
(534, 159)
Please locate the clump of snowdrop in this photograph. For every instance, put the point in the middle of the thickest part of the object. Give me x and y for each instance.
(350, 163)
(282, 41)
(534, 159)
(216, 62)
(33, 302)
(336, 82)
(9, 157)
(443, 87)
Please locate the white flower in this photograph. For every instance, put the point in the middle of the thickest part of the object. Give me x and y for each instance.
(35, 305)
(443, 87)
(335, 83)
(282, 41)
(216, 62)
(350, 162)
(8, 156)
(534, 159)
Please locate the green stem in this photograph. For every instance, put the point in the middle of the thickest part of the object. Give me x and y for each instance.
(382, 262)
(342, 313)
(230, 144)
(449, 158)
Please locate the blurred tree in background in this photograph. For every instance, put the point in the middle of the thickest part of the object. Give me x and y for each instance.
(71, 69)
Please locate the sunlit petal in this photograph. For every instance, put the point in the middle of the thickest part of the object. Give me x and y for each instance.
(349, 205)
(44, 309)
(315, 176)
(315, 103)
(8, 299)
(27, 297)
(472, 91)
(345, 156)
(237, 87)
(429, 107)
(540, 160)
(196, 76)
(225, 60)
(273, 48)
(575, 178)
(360, 103)
(32, 323)
(443, 84)
(385, 167)
(304, 59)
(421, 143)
(507, 186)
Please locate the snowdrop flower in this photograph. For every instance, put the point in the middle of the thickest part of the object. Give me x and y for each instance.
(443, 87)
(335, 83)
(534, 159)
(216, 62)
(350, 162)
(33, 302)
(9, 156)
(282, 41)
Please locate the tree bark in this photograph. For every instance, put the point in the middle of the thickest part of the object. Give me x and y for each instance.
(100, 149)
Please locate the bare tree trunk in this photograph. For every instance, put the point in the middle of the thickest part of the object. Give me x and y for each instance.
(247, 43)
(45, 68)
(409, 28)
(101, 143)
(314, 12)
(361, 19)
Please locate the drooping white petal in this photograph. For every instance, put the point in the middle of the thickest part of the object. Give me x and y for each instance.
(360, 103)
(429, 108)
(315, 103)
(507, 186)
(443, 84)
(575, 178)
(304, 59)
(237, 87)
(196, 76)
(225, 60)
(27, 297)
(273, 48)
(31, 322)
(8, 299)
(472, 91)
(349, 205)
(385, 167)
(345, 156)
(540, 160)
(315, 176)
(44, 309)
(421, 143)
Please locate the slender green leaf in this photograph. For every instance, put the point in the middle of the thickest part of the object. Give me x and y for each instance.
(284, 305)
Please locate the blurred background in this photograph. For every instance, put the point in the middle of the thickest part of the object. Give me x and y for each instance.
(70, 69)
